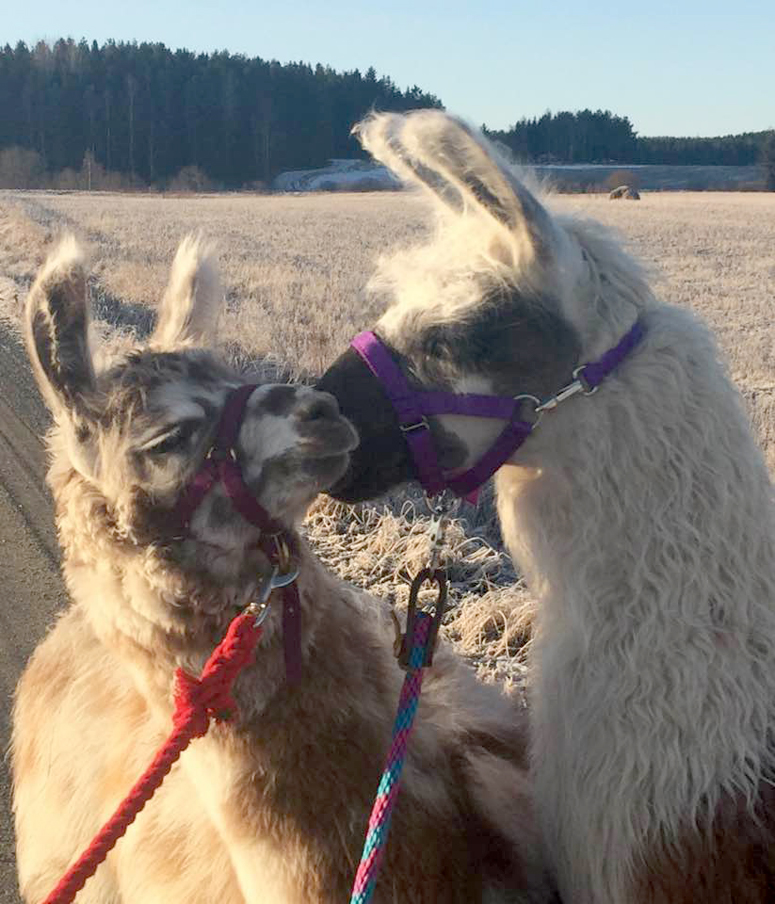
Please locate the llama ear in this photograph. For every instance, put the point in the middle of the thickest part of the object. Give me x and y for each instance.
(192, 300)
(461, 169)
(57, 326)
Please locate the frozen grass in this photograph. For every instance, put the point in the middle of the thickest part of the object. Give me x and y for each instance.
(295, 267)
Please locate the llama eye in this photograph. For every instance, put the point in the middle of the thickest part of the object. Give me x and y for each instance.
(435, 344)
(174, 441)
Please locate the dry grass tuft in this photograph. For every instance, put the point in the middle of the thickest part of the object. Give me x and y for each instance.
(382, 547)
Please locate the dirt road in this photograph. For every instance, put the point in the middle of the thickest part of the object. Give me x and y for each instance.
(31, 588)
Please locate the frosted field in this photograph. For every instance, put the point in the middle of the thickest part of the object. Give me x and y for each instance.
(295, 268)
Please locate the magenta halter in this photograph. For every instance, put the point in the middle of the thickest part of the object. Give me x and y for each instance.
(277, 543)
(413, 407)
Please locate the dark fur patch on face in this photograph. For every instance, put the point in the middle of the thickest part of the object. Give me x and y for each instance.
(206, 405)
(278, 401)
(450, 449)
(279, 470)
(382, 458)
(221, 512)
(520, 344)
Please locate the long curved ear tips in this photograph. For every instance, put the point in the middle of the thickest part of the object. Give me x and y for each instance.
(57, 327)
(192, 300)
(459, 168)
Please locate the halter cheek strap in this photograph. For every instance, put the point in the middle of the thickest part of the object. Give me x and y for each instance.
(413, 407)
(221, 464)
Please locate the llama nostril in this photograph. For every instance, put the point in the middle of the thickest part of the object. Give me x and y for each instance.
(320, 407)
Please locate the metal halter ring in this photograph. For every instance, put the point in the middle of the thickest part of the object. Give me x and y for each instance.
(439, 576)
(538, 408)
(578, 374)
(422, 424)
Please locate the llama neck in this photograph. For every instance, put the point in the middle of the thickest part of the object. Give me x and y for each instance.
(651, 503)
(646, 530)
(155, 620)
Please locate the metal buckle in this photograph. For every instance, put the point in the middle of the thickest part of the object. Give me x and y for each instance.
(579, 385)
(578, 374)
(566, 392)
(440, 512)
(422, 424)
(260, 610)
(439, 575)
(275, 580)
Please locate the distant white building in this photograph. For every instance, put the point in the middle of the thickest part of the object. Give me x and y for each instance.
(339, 175)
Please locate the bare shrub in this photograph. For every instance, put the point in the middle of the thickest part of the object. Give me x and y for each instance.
(21, 168)
(191, 179)
(67, 180)
(258, 186)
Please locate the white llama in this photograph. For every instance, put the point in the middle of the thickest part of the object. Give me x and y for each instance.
(642, 517)
(274, 808)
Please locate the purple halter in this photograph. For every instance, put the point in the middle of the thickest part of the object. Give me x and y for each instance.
(221, 463)
(413, 407)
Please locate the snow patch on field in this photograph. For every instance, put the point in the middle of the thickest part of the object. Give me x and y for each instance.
(339, 175)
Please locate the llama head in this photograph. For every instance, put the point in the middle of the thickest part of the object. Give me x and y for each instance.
(130, 435)
(505, 299)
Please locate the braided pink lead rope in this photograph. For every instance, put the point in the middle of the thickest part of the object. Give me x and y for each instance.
(387, 792)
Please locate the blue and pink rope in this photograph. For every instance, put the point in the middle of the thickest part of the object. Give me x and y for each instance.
(209, 696)
(387, 792)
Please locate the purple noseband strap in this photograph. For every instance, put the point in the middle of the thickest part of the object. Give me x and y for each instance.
(221, 464)
(413, 407)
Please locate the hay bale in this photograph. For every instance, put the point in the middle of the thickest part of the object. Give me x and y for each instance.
(624, 191)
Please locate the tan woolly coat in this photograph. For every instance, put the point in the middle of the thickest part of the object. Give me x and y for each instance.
(274, 808)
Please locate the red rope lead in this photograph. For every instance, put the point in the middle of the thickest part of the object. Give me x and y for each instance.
(197, 700)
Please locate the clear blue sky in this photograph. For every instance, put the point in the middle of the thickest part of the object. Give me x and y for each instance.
(675, 67)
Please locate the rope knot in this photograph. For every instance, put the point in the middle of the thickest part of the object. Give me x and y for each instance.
(197, 700)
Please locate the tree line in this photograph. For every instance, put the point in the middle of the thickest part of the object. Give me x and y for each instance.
(124, 114)
(602, 137)
(147, 112)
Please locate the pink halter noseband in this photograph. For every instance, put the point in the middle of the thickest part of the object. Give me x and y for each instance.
(413, 407)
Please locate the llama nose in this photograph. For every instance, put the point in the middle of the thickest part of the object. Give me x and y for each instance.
(318, 406)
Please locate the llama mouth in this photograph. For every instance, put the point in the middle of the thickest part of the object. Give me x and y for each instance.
(326, 470)
(331, 439)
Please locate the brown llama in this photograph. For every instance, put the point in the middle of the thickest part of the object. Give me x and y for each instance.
(274, 808)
